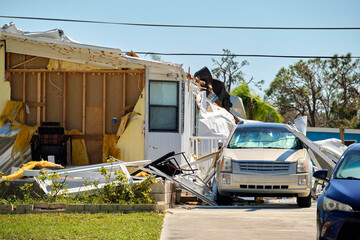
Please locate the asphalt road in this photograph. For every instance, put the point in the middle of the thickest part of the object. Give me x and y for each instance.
(274, 219)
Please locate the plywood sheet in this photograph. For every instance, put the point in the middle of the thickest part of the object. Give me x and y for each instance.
(31, 96)
(74, 101)
(94, 150)
(114, 91)
(94, 91)
(54, 97)
(94, 127)
(16, 86)
(133, 88)
(93, 120)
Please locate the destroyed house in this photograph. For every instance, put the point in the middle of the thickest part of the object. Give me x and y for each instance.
(100, 96)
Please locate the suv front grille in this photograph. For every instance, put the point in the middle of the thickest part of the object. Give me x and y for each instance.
(262, 166)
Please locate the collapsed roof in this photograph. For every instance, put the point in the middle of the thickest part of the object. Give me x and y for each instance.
(56, 44)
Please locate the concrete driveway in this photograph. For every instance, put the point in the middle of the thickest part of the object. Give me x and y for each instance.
(275, 219)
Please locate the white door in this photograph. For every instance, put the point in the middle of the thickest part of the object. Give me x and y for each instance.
(163, 118)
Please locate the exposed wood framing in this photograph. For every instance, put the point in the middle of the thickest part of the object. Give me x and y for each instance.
(143, 80)
(24, 62)
(123, 94)
(83, 102)
(104, 102)
(38, 99)
(44, 96)
(64, 102)
(24, 95)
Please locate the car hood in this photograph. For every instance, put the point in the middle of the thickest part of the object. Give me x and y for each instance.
(345, 191)
(281, 155)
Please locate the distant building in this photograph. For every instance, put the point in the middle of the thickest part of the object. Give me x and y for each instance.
(350, 135)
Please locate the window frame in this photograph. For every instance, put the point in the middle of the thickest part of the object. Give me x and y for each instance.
(168, 106)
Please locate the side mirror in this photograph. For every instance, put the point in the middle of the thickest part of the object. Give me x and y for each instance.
(321, 174)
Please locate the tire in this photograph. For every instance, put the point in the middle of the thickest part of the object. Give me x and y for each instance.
(304, 202)
(223, 200)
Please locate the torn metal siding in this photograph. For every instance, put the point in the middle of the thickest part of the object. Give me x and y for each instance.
(6, 163)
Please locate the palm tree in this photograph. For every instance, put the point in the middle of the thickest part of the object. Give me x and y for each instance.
(256, 109)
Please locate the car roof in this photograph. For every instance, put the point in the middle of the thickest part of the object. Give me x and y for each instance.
(355, 147)
(261, 125)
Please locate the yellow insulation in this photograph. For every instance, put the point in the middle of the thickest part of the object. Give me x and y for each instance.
(12, 112)
(132, 140)
(30, 165)
(22, 140)
(65, 65)
(110, 148)
(79, 154)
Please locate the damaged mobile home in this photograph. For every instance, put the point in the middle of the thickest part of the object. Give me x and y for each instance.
(77, 104)
(93, 93)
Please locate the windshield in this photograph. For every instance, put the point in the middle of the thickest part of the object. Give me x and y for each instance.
(264, 137)
(349, 167)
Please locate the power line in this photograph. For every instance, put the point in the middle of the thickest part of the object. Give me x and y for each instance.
(238, 55)
(182, 26)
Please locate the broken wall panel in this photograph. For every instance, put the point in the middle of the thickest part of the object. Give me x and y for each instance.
(58, 95)
(133, 85)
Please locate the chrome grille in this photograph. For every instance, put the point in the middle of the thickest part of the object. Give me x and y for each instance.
(262, 166)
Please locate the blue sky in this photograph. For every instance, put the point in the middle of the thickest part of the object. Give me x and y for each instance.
(275, 13)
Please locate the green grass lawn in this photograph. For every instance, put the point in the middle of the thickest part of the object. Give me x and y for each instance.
(81, 226)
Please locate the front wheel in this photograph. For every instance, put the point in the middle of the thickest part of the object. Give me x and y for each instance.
(304, 202)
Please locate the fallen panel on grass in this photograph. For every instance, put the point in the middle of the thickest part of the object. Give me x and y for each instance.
(79, 179)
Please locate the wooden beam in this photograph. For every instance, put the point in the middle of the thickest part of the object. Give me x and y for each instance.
(77, 71)
(123, 94)
(83, 102)
(44, 97)
(24, 94)
(24, 62)
(143, 80)
(8, 75)
(128, 107)
(104, 103)
(88, 137)
(64, 102)
(38, 99)
(7, 61)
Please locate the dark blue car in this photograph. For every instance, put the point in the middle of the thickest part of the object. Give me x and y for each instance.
(338, 208)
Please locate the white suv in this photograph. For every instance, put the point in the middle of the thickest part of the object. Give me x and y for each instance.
(264, 159)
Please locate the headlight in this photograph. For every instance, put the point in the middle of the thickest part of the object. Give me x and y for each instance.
(332, 205)
(226, 165)
(301, 166)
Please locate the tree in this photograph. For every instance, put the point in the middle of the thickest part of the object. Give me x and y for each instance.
(255, 108)
(346, 77)
(299, 89)
(230, 70)
(324, 90)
